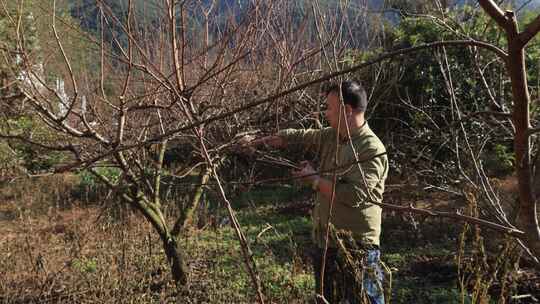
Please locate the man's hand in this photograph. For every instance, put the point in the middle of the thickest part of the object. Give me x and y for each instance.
(307, 174)
(243, 145)
(248, 143)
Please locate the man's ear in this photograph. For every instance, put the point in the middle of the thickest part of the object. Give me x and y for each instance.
(348, 110)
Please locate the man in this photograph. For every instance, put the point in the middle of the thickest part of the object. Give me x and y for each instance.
(362, 167)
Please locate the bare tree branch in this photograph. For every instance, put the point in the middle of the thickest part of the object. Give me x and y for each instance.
(530, 31)
(534, 131)
(495, 12)
(455, 215)
(327, 77)
(274, 97)
(38, 144)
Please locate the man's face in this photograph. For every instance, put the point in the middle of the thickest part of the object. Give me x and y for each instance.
(332, 109)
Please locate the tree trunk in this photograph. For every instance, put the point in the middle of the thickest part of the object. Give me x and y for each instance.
(527, 218)
(170, 245)
(186, 217)
(536, 179)
(175, 257)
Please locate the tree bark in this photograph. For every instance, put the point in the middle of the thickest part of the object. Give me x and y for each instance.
(536, 179)
(186, 218)
(171, 247)
(175, 257)
(527, 218)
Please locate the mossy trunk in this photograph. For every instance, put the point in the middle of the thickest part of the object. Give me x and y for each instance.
(186, 217)
(175, 257)
(174, 253)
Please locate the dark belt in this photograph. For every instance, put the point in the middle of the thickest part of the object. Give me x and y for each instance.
(368, 246)
(360, 246)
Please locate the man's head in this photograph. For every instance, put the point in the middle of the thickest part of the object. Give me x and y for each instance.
(354, 100)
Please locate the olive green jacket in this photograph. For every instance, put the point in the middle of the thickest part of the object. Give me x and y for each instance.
(352, 208)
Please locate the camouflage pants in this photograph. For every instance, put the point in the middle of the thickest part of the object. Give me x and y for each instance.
(346, 282)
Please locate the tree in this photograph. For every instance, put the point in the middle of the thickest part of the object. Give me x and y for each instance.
(527, 171)
(158, 87)
(155, 86)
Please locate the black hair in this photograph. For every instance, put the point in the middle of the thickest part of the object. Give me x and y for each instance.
(353, 94)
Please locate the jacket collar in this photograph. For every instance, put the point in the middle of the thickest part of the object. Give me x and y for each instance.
(355, 133)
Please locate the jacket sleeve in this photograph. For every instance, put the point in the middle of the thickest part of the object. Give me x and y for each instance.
(308, 139)
(355, 189)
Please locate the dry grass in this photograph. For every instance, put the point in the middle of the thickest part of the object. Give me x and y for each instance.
(56, 247)
(77, 256)
(84, 253)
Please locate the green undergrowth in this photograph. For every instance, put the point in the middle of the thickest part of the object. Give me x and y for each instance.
(88, 257)
(279, 239)
(422, 260)
(277, 224)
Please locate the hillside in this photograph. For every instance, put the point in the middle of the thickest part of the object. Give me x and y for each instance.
(86, 12)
